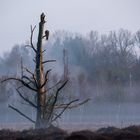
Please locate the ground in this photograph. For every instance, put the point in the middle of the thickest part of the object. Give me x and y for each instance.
(54, 133)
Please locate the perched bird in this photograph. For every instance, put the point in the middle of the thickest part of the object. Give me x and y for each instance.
(47, 34)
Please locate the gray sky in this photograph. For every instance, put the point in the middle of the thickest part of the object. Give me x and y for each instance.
(72, 15)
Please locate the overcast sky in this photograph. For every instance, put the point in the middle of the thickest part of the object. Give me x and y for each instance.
(16, 16)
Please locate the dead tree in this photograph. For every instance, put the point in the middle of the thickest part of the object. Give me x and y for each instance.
(48, 110)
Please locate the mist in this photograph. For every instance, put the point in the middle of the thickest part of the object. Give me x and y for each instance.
(102, 67)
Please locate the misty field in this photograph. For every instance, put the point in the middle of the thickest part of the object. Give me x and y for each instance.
(90, 116)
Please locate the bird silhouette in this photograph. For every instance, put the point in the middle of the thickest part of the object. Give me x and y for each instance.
(47, 34)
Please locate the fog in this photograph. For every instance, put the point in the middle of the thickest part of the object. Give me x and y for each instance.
(102, 67)
(92, 115)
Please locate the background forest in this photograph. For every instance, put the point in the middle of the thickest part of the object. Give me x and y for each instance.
(103, 67)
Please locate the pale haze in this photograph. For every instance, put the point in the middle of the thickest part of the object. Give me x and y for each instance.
(80, 16)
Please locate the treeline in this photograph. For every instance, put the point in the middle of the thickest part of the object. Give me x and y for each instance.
(110, 57)
(96, 62)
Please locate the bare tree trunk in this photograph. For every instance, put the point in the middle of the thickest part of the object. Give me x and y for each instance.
(41, 95)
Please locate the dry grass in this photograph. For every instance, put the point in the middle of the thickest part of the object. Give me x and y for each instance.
(54, 133)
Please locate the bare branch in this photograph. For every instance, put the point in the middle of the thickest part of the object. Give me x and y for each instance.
(32, 29)
(34, 82)
(33, 76)
(62, 86)
(22, 114)
(20, 80)
(34, 60)
(47, 72)
(52, 113)
(57, 93)
(27, 78)
(55, 98)
(54, 86)
(48, 101)
(23, 86)
(28, 71)
(30, 46)
(58, 116)
(48, 61)
(72, 106)
(49, 104)
(43, 36)
(31, 39)
(25, 99)
(46, 78)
